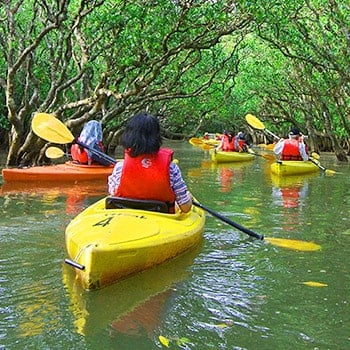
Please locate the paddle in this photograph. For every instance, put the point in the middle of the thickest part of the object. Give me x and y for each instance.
(195, 141)
(266, 156)
(54, 152)
(280, 242)
(257, 124)
(53, 130)
(314, 159)
(254, 122)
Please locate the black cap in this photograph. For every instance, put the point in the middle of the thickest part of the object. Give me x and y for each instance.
(294, 132)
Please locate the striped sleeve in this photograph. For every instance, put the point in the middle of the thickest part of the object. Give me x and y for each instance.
(178, 185)
(114, 178)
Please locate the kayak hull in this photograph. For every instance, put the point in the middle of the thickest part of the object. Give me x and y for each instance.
(293, 167)
(227, 157)
(110, 244)
(68, 171)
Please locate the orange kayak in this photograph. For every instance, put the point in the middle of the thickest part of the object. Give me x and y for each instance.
(68, 171)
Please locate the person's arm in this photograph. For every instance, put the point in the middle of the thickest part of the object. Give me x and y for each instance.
(182, 196)
(219, 147)
(114, 178)
(278, 147)
(302, 150)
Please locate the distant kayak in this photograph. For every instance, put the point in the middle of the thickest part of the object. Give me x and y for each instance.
(68, 171)
(226, 157)
(293, 167)
(200, 142)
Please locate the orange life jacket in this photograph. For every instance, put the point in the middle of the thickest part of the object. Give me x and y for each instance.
(147, 177)
(291, 150)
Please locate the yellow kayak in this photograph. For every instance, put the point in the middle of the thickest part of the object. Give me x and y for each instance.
(105, 245)
(293, 167)
(199, 141)
(195, 141)
(226, 157)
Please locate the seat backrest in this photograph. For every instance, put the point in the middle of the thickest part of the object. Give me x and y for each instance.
(129, 203)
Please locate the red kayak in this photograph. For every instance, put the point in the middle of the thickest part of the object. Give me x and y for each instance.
(68, 171)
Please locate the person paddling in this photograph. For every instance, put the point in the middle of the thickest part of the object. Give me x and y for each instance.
(147, 172)
(292, 148)
(91, 136)
(231, 143)
(227, 143)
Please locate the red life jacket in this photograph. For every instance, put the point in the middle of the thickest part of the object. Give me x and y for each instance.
(242, 146)
(291, 150)
(227, 145)
(79, 154)
(147, 177)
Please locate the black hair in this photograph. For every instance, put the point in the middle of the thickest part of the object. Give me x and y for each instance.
(142, 135)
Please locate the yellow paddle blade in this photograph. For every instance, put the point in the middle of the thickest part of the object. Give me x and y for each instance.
(265, 156)
(315, 155)
(270, 157)
(54, 152)
(254, 122)
(293, 244)
(195, 141)
(51, 129)
(315, 159)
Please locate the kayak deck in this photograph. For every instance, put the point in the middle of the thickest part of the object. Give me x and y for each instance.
(109, 244)
(68, 171)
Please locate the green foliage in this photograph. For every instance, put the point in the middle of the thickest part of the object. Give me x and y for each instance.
(200, 66)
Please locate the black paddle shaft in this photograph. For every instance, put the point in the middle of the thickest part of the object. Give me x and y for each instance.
(317, 164)
(97, 152)
(228, 221)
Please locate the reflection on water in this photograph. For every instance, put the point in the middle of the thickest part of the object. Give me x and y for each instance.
(75, 193)
(132, 306)
(227, 173)
(235, 292)
(290, 193)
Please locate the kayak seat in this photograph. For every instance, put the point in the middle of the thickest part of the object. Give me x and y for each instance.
(129, 203)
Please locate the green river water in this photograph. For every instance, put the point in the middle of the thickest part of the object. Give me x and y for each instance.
(231, 292)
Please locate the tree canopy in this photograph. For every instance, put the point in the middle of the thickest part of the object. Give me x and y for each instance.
(197, 65)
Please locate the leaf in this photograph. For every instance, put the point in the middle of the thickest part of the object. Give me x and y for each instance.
(222, 325)
(315, 284)
(164, 341)
(182, 341)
